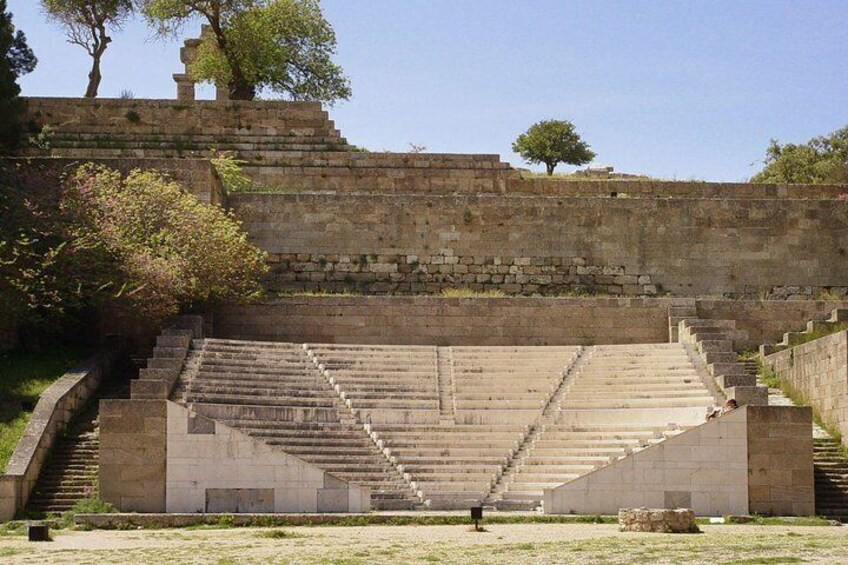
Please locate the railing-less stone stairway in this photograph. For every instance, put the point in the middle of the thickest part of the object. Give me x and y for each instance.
(514, 421)
(71, 473)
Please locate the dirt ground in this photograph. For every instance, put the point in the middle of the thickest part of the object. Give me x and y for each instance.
(508, 543)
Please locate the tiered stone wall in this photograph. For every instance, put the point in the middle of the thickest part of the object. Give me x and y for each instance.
(105, 117)
(426, 320)
(523, 245)
(818, 372)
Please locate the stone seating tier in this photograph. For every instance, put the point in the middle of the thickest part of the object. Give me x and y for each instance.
(450, 427)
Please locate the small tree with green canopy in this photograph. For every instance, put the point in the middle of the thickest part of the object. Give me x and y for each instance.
(16, 59)
(87, 24)
(822, 159)
(283, 45)
(552, 142)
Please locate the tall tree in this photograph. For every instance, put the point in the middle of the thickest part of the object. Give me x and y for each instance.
(283, 45)
(88, 24)
(552, 142)
(16, 59)
(822, 159)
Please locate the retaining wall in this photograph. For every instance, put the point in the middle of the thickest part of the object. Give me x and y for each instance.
(412, 243)
(817, 371)
(424, 320)
(757, 459)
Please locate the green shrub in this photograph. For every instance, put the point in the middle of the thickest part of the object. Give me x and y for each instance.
(169, 251)
(229, 170)
(133, 117)
(139, 247)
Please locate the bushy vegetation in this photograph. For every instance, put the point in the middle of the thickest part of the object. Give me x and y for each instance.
(822, 159)
(137, 246)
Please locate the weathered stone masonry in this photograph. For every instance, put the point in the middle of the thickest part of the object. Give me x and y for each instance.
(415, 243)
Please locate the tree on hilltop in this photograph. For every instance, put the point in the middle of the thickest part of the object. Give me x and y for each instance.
(552, 142)
(87, 23)
(283, 45)
(16, 59)
(822, 159)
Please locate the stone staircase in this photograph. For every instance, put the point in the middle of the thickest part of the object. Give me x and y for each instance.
(273, 392)
(830, 467)
(450, 419)
(523, 418)
(831, 476)
(715, 342)
(71, 473)
(284, 145)
(837, 321)
(616, 399)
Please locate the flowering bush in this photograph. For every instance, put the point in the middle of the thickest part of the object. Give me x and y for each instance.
(139, 246)
(171, 250)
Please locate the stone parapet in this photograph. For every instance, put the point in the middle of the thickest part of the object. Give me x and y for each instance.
(756, 459)
(435, 320)
(817, 373)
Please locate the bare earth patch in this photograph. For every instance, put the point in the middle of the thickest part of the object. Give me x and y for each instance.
(507, 543)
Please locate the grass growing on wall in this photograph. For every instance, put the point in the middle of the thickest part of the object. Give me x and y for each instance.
(806, 337)
(23, 377)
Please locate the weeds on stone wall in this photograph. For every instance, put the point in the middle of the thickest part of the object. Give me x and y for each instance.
(230, 171)
(471, 293)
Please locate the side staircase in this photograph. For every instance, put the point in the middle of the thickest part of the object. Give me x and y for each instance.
(71, 473)
(831, 475)
(838, 320)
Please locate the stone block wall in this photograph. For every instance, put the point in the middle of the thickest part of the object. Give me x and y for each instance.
(426, 320)
(817, 371)
(214, 468)
(166, 117)
(778, 249)
(195, 175)
(133, 446)
(756, 459)
(780, 461)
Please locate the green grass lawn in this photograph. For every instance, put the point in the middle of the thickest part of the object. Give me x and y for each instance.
(23, 377)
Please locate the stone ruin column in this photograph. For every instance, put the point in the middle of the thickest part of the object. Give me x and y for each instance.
(185, 84)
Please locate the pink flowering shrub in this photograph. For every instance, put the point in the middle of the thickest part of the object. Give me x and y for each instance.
(139, 247)
(171, 251)
(843, 197)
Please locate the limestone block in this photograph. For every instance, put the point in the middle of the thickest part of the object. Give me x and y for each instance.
(730, 381)
(744, 395)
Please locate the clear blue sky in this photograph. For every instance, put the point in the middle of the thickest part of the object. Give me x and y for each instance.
(672, 89)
